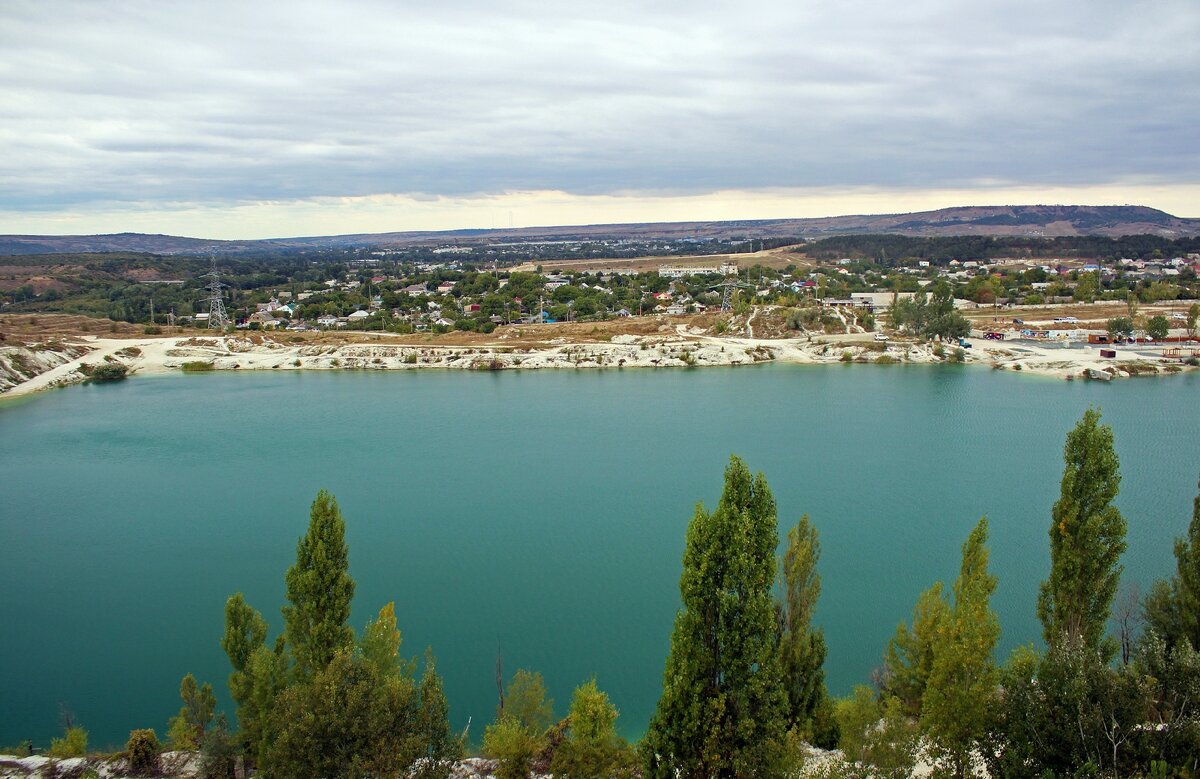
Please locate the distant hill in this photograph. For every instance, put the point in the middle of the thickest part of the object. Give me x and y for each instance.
(1037, 221)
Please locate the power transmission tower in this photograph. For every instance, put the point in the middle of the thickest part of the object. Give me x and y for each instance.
(217, 318)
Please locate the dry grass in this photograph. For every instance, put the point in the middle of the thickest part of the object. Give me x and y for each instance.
(29, 328)
(780, 258)
(1090, 315)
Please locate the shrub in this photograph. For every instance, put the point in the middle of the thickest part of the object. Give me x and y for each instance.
(513, 745)
(24, 749)
(591, 748)
(847, 356)
(114, 371)
(152, 330)
(410, 358)
(218, 752)
(938, 350)
(885, 359)
(142, 749)
(958, 355)
(197, 366)
(1192, 361)
(72, 744)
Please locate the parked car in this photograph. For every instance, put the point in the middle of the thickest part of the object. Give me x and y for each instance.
(880, 337)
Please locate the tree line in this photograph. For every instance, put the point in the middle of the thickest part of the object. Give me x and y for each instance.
(744, 692)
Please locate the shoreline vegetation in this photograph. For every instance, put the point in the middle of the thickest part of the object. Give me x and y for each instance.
(45, 351)
(743, 691)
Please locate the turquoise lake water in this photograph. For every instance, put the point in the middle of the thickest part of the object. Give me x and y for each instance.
(545, 510)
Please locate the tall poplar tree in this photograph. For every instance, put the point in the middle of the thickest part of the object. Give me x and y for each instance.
(245, 635)
(1187, 563)
(319, 590)
(908, 661)
(802, 649)
(960, 696)
(1087, 537)
(723, 708)
(1172, 609)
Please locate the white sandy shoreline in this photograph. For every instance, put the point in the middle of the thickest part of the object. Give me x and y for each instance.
(685, 347)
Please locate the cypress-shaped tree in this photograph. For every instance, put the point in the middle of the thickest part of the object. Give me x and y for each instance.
(723, 708)
(1172, 609)
(960, 696)
(1087, 537)
(245, 634)
(908, 661)
(1187, 562)
(440, 747)
(319, 590)
(802, 649)
(380, 643)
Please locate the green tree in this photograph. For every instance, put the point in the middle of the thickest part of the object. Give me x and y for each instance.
(380, 643)
(592, 749)
(525, 701)
(961, 692)
(513, 745)
(1120, 327)
(1172, 609)
(268, 675)
(245, 634)
(1087, 538)
(1172, 677)
(876, 734)
(1087, 286)
(319, 589)
(72, 744)
(519, 733)
(345, 722)
(908, 660)
(187, 728)
(219, 752)
(723, 708)
(1193, 317)
(1158, 327)
(440, 748)
(802, 648)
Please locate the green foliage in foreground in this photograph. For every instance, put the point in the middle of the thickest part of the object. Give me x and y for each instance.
(744, 681)
(961, 689)
(319, 591)
(142, 750)
(318, 703)
(723, 709)
(1087, 539)
(802, 647)
(186, 730)
(519, 733)
(72, 744)
(592, 749)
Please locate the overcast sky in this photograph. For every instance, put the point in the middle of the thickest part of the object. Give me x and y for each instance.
(256, 119)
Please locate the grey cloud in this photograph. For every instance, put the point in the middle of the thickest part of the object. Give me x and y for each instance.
(179, 102)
